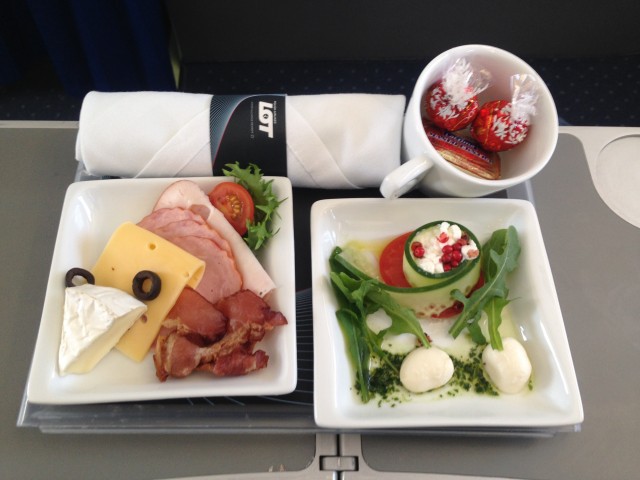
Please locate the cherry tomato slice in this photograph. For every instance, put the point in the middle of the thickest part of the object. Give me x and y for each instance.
(235, 202)
(390, 263)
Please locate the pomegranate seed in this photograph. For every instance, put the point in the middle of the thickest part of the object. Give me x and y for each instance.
(447, 267)
(457, 246)
(418, 250)
(443, 238)
(447, 249)
(446, 258)
(456, 256)
(454, 264)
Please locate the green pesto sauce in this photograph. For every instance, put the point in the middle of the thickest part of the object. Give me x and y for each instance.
(468, 377)
(385, 381)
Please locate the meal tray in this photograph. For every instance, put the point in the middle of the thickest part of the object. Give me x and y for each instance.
(263, 414)
(260, 414)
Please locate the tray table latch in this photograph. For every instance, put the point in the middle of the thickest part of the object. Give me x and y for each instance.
(339, 463)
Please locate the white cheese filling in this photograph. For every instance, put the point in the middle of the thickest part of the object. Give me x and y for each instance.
(431, 240)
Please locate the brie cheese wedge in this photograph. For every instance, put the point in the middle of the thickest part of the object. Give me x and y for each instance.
(95, 317)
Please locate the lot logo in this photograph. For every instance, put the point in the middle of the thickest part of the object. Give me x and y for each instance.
(265, 115)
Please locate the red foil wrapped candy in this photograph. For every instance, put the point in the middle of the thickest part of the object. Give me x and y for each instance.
(452, 102)
(501, 125)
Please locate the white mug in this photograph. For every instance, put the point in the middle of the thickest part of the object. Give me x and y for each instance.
(424, 167)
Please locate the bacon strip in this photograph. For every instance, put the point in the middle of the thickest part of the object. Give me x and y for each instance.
(247, 317)
(194, 317)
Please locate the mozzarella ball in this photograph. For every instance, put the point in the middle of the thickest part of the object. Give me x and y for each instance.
(425, 369)
(509, 369)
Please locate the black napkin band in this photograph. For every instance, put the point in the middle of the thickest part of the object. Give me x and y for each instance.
(248, 129)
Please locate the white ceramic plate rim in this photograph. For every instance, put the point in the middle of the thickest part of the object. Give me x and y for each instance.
(91, 212)
(555, 400)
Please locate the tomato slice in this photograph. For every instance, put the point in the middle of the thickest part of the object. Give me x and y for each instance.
(235, 202)
(390, 263)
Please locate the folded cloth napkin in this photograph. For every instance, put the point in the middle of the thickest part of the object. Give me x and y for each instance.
(332, 141)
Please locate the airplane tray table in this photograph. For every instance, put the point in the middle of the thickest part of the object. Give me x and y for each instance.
(594, 260)
(561, 199)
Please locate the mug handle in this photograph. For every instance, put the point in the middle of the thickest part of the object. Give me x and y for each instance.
(404, 178)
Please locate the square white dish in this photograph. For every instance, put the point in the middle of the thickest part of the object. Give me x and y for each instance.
(554, 400)
(91, 212)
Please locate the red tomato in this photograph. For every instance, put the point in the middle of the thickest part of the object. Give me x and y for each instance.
(457, 307)
(235, 202)
(391, 262)
(452, 311)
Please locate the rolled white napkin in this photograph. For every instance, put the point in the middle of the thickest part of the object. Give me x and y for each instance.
(332, 141)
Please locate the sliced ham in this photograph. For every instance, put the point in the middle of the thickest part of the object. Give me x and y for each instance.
(220, 278)
(188, 195)
(160, 217)
(188, 231)
(180, 222)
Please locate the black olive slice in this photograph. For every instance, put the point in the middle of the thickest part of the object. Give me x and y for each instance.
(78, 272)
(154, 283)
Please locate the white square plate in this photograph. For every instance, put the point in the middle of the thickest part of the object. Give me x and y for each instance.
(555, 397)
(91, 212)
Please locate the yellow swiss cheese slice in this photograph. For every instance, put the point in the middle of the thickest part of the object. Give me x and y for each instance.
(130, 250)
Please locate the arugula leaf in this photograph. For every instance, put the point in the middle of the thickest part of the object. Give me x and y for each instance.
(355, 293)
(369, 298)
(265, 202)
(500, 257)
(357, 349)
(493, 309)
(358, 298)
(403, 319)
